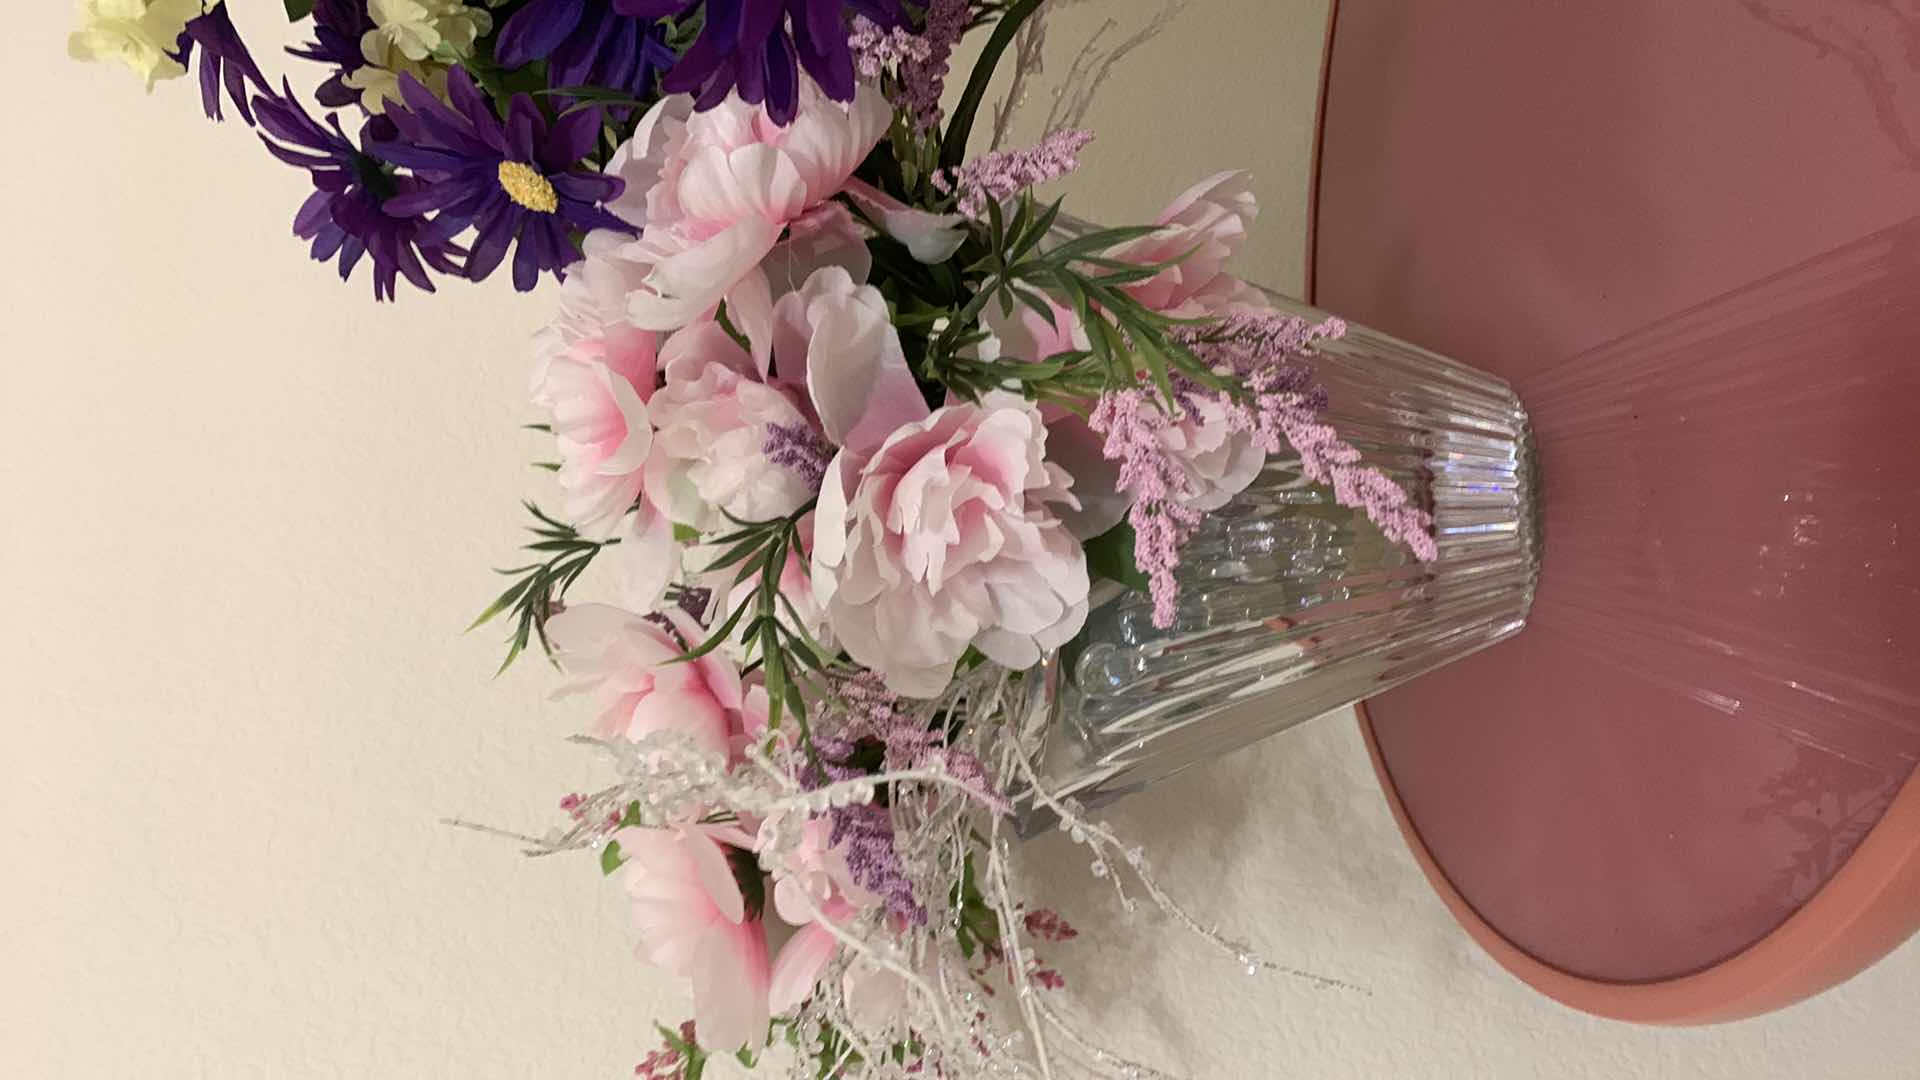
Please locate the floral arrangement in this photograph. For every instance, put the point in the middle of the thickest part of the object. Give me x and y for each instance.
(862, 419)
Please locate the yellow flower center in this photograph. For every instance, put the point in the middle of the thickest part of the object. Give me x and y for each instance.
(528, 188)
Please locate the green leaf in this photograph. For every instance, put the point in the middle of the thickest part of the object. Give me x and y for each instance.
(1110, 555)
(685, 534)
(610, 859)
(298, 9)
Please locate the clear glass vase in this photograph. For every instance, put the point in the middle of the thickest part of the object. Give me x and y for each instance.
(1292, 606)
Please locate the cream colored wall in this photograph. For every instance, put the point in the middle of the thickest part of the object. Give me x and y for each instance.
(246, 512)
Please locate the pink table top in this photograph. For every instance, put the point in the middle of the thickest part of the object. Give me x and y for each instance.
(1687, 233)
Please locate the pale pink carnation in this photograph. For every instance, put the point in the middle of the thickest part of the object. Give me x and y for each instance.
(694, 921)
(714, 414)
(627, 664)
(1201, 230)
(593, 373)
(947, 539)
(714, 191)
(815, 877)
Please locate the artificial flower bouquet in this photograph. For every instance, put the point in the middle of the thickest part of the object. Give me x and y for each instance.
(862, 419)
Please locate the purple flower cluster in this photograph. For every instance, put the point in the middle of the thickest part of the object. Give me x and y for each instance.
(518, 183)
(923, 80)
(875, 48)
(759, 48)
(999, 176)
(586, 43)
(348, 215)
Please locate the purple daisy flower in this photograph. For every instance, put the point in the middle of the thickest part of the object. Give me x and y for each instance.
(518, 183)
(346, 215)
(759, 47)
(223, 59)
(586, 43)
(338, 26)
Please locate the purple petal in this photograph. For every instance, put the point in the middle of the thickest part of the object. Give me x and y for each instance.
(572, 137)
(533, 32)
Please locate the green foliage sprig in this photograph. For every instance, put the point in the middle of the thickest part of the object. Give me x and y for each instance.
(540, 588)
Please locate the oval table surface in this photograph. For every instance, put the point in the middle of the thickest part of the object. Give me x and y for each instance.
(1687, 233)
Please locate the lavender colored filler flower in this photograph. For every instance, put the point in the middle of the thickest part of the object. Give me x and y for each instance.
(866, 833)
(923, 79)
(801, 449)
(995, 177)
(1263, 350)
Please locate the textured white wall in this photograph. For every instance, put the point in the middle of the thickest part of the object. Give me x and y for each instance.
(246, 513)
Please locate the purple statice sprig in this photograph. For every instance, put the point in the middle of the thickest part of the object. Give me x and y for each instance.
(801, 449)
(878, 49)
(873, 732)
(923, 78)
(999, 176)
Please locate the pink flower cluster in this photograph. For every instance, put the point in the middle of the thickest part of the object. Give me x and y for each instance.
(1162, 517)
(875, 50)
(1263, 349)
(999, 176)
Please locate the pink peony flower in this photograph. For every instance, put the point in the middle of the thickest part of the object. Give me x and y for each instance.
(709, 456)
(928, 237)
(694, 921)
(625, 661)
(1201, 229)
(593, 374)
(947, 539)
(837, 338)
(815, 872)
(713, 192)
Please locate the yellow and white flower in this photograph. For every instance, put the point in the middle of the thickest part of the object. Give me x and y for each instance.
(421, 38)
(137, 33)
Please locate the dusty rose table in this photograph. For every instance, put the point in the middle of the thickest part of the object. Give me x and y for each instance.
(1687, 232)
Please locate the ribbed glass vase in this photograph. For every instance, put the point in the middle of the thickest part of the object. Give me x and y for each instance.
(1292, 606)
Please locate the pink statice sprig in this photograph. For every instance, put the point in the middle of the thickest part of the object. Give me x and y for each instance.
(1278, 407)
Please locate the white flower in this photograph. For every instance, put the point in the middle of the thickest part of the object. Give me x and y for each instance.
(138, 33)
(948, 539)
